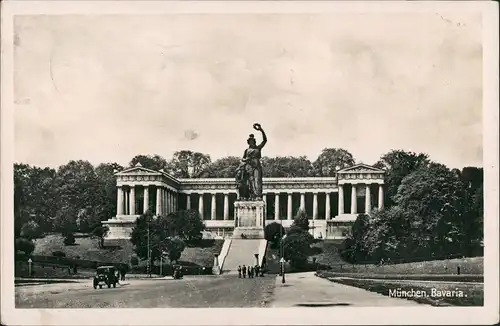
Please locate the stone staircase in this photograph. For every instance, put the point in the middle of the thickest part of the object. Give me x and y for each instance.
(241, 252)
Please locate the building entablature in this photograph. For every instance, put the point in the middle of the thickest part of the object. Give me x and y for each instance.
(361, 174)
(358, 174)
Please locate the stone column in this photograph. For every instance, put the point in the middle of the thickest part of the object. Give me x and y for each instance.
(176, 201)
(213, 208)
(327, 206)
(303, 201)
(119, 201)
(146, 200)
(170, 200)
(188, 201)
(132, 200)
(166, 202)
(289, 207)
(264, 198)
(380, 196)
(200, 205)
(341, 199)
(277, 206)
(226, 207)
(354, 200)
(158, 200)
(315, 205)
(127, 202)
(368, 200)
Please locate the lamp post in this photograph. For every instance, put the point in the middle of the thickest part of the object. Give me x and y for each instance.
(149, 250)
(282, 254)
(282, 261)
(281, 248)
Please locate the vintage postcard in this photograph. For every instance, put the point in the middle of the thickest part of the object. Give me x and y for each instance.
(249, 163)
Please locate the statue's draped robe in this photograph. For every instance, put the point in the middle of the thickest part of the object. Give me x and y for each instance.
(254, 171)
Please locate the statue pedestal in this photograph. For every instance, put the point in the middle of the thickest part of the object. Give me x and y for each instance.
(249, 220)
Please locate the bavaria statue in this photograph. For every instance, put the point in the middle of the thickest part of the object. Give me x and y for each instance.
(249, 172)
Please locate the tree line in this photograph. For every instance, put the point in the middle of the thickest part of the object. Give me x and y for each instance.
(433, 200)
(432, 212)
(77, 196)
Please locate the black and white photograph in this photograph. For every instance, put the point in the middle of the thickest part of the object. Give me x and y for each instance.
(333, 158)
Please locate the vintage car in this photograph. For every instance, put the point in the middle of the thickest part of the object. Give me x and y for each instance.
(105, 275)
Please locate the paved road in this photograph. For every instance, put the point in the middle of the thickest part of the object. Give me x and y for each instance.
(190, 292)
(307, 290)
(300, 290)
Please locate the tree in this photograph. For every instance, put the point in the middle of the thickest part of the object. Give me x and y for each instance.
(297, 248)
(100, 233)
(152, 162)
(472, 177)
(188, 164)
(76, 190)
(398, 164)
(31, 230)
(286, 167)
(88, 218)
(222, 168)
(65, 220)
(24, 245)
(301, 221)
(174, 248)
(189, 225)
(69, 239)
(437, 203)
(354, 246)
(34, 196)
(162, 237)
(330, 160)
(107, 189)
(273, 233)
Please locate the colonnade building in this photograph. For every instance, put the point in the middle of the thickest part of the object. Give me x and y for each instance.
(331, 203)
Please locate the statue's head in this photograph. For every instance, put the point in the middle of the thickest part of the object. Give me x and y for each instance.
(251, 141)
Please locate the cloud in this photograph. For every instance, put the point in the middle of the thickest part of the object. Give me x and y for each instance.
(367, 83)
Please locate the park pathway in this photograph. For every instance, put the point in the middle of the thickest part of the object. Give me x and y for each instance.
(308, 290)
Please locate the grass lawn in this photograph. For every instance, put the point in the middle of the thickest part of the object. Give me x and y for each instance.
(329, 252)
(474, 265)
(434, 293)
(119, 252)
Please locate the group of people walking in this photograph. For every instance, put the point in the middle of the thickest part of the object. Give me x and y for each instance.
(251, 271)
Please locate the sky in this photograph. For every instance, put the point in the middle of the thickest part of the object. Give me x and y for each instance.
(107, 88)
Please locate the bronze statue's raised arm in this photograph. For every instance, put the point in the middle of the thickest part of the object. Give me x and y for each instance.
(264, 139)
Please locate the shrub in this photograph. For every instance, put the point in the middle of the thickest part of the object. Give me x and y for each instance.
(301, 220)
(58, 254)
(273, 233)
(25, 245)
(297, 248)
(134, 261)
(175, 247)
(100, 232)
(31, 230)
(69, 239)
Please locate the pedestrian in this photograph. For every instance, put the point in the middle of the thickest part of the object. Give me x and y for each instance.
(124, 271)
(250, 271)
(239, 271)
(244, 270)
(257, 269)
